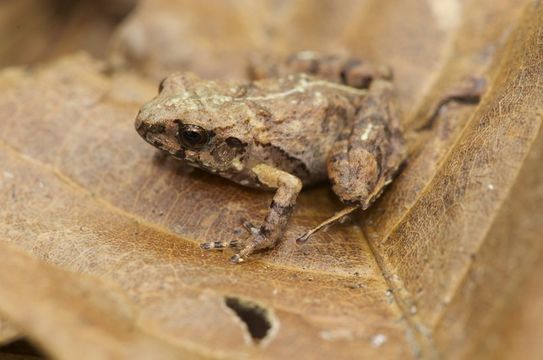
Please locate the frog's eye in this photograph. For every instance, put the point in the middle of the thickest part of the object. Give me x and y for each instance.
(193, 136)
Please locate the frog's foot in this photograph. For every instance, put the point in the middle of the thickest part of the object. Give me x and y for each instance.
(247, 225)
(253, 244)
(219, 245)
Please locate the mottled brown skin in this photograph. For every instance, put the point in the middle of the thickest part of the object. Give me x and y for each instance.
(336, 68)
(281, 133)
(371, 150)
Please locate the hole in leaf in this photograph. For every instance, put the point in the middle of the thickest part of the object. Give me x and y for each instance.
(255, 316)
(21, 348)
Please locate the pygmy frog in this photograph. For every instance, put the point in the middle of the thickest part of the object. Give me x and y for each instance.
(312, 118)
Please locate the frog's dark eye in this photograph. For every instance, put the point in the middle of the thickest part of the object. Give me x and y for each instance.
(193, 136)
(234, 142)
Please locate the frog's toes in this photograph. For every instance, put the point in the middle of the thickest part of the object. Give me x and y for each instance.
(219, 245)
(236, 259)
(249, 247)
(247, 225)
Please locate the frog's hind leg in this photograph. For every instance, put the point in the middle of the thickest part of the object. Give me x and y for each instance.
(337, 68)
(366, 156)
(467, 90)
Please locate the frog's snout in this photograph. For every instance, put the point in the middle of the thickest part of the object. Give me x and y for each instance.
(152, 132)
(140, 126)
(146, 128)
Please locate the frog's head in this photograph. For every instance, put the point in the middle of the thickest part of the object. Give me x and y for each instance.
(198, 122)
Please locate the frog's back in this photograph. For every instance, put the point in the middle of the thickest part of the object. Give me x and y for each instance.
(300, 119)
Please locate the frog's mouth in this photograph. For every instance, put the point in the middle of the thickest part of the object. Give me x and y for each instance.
(196, 160)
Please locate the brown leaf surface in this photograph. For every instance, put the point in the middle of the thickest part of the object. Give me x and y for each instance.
(423, 274)
(90, 318)
(518, 332)
(112, 216)
(8, 333)
(474, 221)
(34, 30)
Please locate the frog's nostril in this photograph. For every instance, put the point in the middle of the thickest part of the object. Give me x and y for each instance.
(141, 127)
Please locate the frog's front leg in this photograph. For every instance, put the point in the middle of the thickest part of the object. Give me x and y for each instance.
(288, 187)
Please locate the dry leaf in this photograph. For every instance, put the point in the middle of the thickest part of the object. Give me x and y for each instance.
(34, 30)
(517, 334)
(90, 319)
(423, 274)
(7, 332)
(96, 204)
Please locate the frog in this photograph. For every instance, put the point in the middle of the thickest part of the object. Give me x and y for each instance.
(308, 119)
(313, 118)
